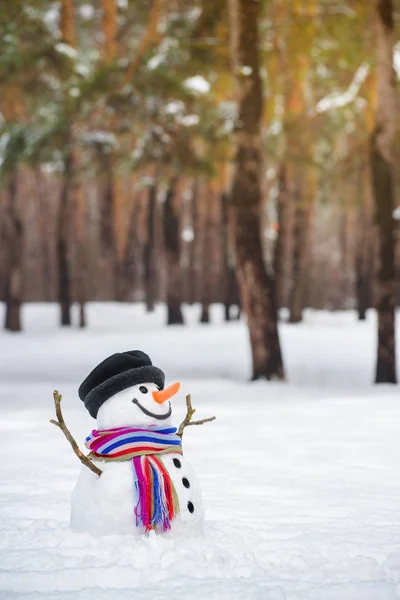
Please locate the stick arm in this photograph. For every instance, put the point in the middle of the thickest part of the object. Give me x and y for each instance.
(85, 460)
(187, 421)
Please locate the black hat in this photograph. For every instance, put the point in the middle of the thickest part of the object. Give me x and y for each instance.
(116, 373)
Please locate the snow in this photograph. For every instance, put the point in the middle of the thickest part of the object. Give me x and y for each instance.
(299, 480)
(74, 92)
(86, 11)
(198, 84)
(174, 108)
(189, 120)
(52, 17)
(245, 70)
(4, 140)
(341, 99)
(82, 69)
(155, 61)
(66, 49)
(188, 234)
(105, 138)
(396, 59)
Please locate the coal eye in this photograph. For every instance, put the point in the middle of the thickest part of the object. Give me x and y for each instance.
(143, 389)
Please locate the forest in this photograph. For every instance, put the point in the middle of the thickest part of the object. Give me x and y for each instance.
(201, 151)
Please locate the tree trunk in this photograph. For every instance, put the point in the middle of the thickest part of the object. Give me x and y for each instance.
(80, 233)
(364, 265)
(14, 268)
(67, 25)
(381, 160)
(44, 229)
(364, 260)
(150, 250)
(300, 235)
(225, 256)
(63, 259)
(363, 284)
(111, 251)
(109, 260)
(230, 286)
(109, 29)
(255, 284)
(172, 241)
(194, 272)
(344, 267)
(281, 249)
(210, 251)
(128, 278)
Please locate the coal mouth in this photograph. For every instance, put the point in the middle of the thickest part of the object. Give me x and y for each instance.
(153, 415)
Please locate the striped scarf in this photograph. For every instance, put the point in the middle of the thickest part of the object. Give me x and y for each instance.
(157, 498)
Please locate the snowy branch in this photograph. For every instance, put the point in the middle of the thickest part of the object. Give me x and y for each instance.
(187, 421)
(61, 424)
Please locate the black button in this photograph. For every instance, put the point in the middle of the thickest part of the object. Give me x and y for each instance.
(177, 462)
(190, 507)
(186, 482)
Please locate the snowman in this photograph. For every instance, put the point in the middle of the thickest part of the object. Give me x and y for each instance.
(146, 484)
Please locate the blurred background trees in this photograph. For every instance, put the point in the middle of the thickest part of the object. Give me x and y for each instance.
(237, 152)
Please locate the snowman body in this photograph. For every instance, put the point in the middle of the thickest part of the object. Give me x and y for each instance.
(105, 504)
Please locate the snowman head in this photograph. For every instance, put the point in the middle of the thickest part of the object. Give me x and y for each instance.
(126, 389)
(141, 404)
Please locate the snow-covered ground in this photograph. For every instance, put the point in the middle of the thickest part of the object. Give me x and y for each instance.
(301, 481)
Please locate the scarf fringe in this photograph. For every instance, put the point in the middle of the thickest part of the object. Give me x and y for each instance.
(158, 502)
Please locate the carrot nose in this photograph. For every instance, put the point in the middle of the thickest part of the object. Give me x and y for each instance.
(166, 394)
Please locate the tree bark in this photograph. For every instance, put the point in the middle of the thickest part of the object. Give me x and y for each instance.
(344, 242)
(63, 258)
(225, 256)
(172, 241)
(255, 284)
(109, 192)
(206, 256)
(364, 259)
(128, 271)
(210, 251)
(43, 217)
(150, 250)
(381, 160)
(150, 37)
(13, 111)
(296, 299)
(303, 200)
(281, 245)
(364, 272)
(71, 242)
(194, 271)
(109, 259)
(80, 234)
(109, 29)
(14, 268)
(229, 282)
(67, 25)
